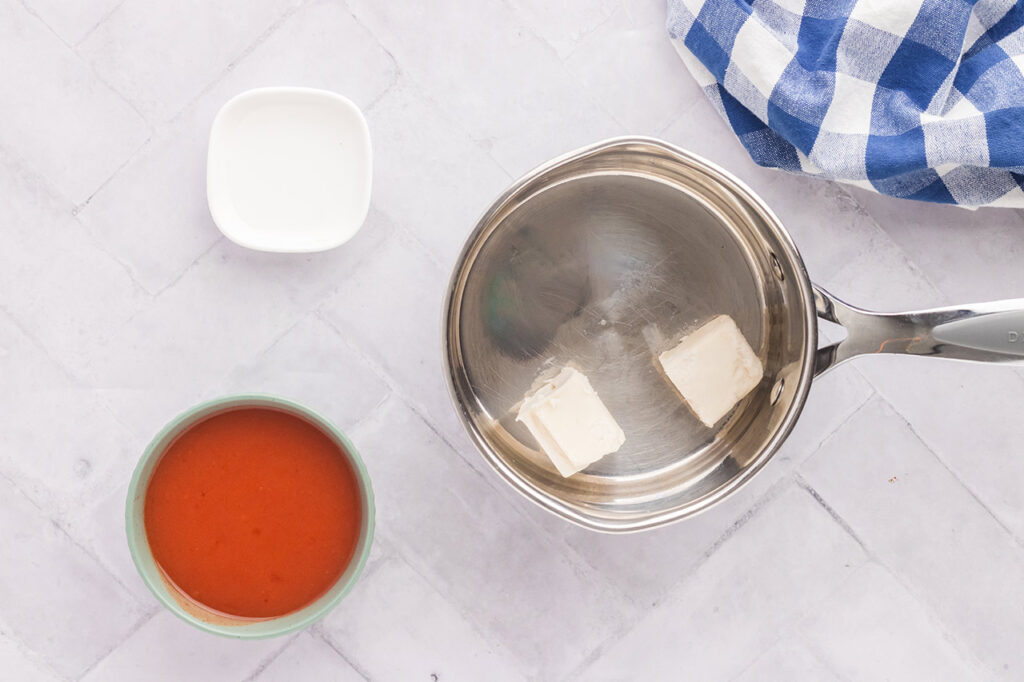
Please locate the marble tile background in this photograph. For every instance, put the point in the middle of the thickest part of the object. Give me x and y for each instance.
(885, 541)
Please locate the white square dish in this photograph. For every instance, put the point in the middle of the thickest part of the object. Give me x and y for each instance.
(289, 169)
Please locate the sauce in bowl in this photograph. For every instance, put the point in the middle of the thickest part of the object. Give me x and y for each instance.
(253, 512)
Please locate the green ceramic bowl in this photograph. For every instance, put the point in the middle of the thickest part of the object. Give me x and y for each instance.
(195, 613)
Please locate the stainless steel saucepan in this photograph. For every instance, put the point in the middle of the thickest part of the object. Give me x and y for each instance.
(601, 258)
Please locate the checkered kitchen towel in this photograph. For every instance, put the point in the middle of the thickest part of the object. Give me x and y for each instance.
(922, 99)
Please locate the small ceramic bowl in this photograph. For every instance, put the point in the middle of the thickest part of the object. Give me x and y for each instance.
(289, 169)
(186, 608)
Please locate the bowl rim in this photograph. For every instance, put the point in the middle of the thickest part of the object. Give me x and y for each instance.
(150, 571)
(215, 195)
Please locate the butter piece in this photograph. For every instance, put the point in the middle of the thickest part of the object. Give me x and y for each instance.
(713, 368)
(569, 421)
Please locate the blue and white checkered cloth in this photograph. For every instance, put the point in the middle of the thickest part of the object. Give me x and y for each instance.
(922, 99)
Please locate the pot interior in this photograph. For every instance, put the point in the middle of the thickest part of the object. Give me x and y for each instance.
(604, 259)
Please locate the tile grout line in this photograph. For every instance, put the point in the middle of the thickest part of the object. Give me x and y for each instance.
(145, 614)
(166, 121)
(43, 184)
(563, 60)
(586, 34)
(78, 208)
(139, 289)
(970, 491)
(840, 521)
(844, 193)
(791, 628)
(753, 510)
(370, 413)
(326, 639)
(395, 390)
(870, 558)
(233, 63)
(395, 79)
(952, 472)
(274, 342)
(824, 663)
(842, 423)
(55, 516)
(934, 618)
(681, 113)
(576, 561)
(221, 239)
(793, 479)
(907, 584)
(770, 495)
(273, 656)
(33, 656)
(102, 20)
(417, 242)
(150, 126)
(399, 72)
(39, 346)
(474, 139)
(923, 277)
(146, 618)
(88, 552)
(103, 81)
(317, 629)
(937, 621)
(571, 554)
(410, 561)
(32, 12)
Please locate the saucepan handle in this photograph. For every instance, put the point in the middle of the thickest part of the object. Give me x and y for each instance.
(980, 332)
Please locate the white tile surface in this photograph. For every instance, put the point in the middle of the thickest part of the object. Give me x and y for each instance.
(788, 660)
(63, 289)
(45, 579)
(376, 312)
(122, 48)
(429, 176)
(507, 581)
(564, 24)
(22, 665)
(72, 21)
(99, 526)
(61, 471)
(979, 268)
(979, 430)
(168, 648)
(395, 609)
(618, 62)
(294, 366)
(121, 305)
(219, 293)
(153, 216)
(871, 628)
(82, 131)
(491, 75)
(920, 521)
(734, 605)
(646, 566)
(310, 659)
